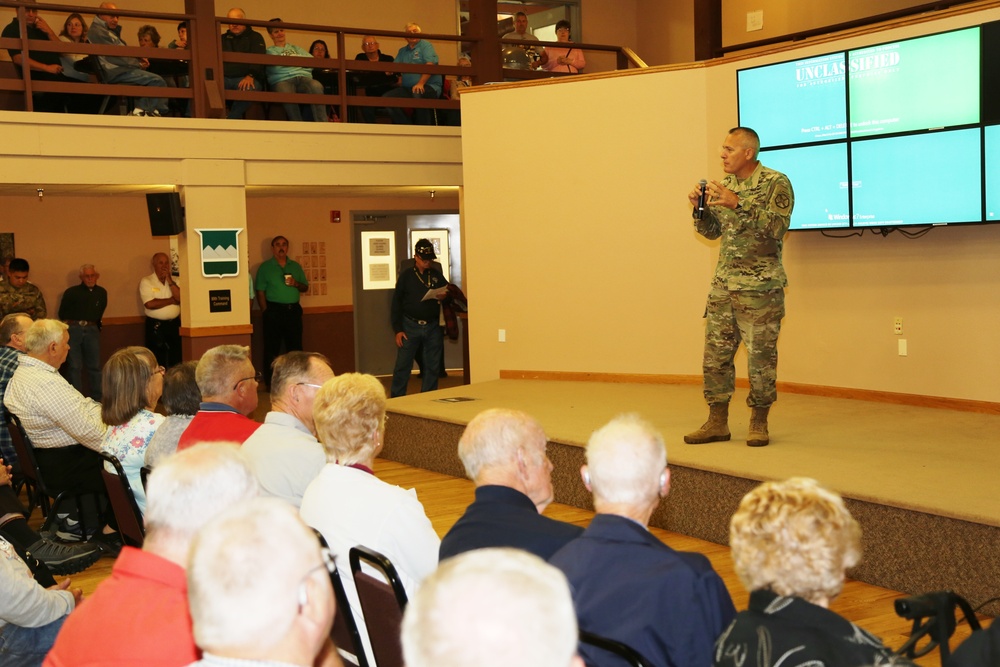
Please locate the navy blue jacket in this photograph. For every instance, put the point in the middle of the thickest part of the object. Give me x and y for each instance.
(629, 586)
(504, 517)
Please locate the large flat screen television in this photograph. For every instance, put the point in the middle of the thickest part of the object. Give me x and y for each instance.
(902, 122)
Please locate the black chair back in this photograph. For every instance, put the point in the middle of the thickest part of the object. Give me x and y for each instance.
(383, 600)
(37, 493)
(144, 475)
(628, 655)
(131, 526)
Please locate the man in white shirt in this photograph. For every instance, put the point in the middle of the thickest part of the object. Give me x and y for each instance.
(161, 298)
(284, 452)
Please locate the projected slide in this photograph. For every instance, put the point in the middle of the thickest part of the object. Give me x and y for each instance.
(819, 180)
(916, 84)
(993, 173)
(921, 179)
(795, 102)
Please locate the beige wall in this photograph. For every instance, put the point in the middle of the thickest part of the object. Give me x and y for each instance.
(782, 17)
(609, 275)
(665, 32)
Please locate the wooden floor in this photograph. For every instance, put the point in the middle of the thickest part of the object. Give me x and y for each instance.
(445, 499)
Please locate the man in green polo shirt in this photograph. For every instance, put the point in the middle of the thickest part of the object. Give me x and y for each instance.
(280, 280)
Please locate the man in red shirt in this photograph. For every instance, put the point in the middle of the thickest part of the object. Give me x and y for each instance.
(139, 615)
(228, 385)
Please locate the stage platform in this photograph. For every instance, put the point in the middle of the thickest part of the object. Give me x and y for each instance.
(921, 481)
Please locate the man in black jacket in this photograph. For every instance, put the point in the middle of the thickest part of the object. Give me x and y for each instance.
(242, 76)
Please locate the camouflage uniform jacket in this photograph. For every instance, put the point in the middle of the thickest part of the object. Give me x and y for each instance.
(750, 250)
(27, 299)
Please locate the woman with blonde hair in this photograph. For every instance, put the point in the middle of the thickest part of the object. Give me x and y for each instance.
(348, 504)
(792, 543)
(132, 383)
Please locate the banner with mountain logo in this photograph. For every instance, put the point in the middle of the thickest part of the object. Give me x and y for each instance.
(220, 256)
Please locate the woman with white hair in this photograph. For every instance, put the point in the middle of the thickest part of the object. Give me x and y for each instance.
(792, 542)
(348, 504)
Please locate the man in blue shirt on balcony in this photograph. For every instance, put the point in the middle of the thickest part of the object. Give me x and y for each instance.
(423, 86)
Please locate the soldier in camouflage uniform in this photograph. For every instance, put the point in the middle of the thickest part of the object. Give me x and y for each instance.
(750, 211)
(17, 295)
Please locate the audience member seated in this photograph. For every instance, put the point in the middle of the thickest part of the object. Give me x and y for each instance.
(149, 37)
(503, 452)
(284, 452)
(422, 86)
(242, 76)
(182, 81)
(348, 504)
(44, 65)
(291, 79)
(228, 385)
(181, 399)
(12, 330)
(563, 59)
(30, 615)
(492, 608)
(142, 608)
(284, 616)
(375, 84)
(791, 543)
(75, 31)
(126, 70)
(17, 295)
(63, 425)
(132, 384)
(628, 585)
(55, 557)
(980, 649)
(453, 117)
(327, 77)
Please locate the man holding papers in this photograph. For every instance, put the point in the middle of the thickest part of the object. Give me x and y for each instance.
(416, 315)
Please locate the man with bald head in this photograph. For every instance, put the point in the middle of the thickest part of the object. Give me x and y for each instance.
(242, 76)
(503, 452)
(126, 70)
(161, 299)
(628, 585)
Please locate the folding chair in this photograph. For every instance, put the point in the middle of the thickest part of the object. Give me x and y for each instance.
(345, 633)
(628, 654)
(131, 526)
(382, 603)
(144, 475)
(38, 492)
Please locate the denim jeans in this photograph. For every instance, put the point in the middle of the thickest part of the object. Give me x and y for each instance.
(27, 647)
(301, 84)
(239, 108)
(431, 338)
(85, 352)
(420, 116)
(134, 76)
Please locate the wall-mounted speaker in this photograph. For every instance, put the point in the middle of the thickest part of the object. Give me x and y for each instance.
(166, 215)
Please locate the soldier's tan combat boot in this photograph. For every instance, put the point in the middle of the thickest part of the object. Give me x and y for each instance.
(758, 428)
(716, 429)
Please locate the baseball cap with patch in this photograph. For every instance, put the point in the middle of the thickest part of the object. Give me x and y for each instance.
(425, 250)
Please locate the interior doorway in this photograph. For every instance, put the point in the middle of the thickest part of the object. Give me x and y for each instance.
(380, 242)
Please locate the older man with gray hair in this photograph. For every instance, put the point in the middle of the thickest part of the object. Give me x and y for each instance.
(492, 608)
(283, 617)
(628, 585)
(82, 308)
(503, 452)
(12, 330)
(145, 598)
(284, 452)
(228, 385)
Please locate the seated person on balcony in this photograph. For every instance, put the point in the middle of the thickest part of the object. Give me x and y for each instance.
(375, 84)
(454, 116)
(423, 86)
(125, 69)
(75, 31)
(149, 37)
(291, 79)
(325, 75)
(44, 65)
(242, 76)
(559, 59)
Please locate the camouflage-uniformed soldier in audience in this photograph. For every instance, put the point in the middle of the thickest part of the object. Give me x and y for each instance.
(750, 211)
(17, 295)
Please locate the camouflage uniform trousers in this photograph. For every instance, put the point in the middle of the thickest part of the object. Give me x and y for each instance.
(748, 316)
